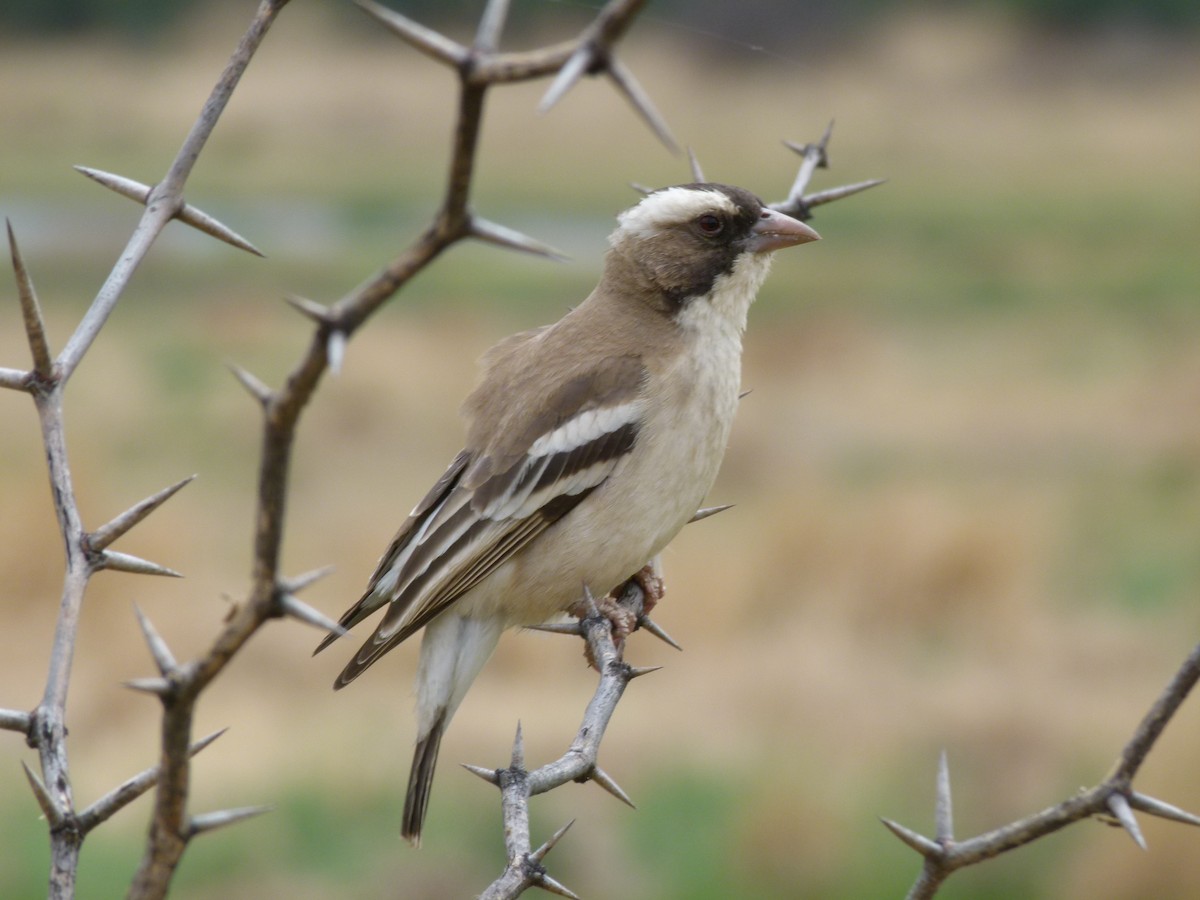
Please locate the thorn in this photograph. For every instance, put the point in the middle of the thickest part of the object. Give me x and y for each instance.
(257, 389)
(709, 511)
(1153, 807)
(639, 671)
(572, 628)
(573, 69)
(746, 393)
(205, 741)
(837, 193)
(126, 187)
(159, 687)
(644, 621)
(540, 853)
(640, 100)
(943, 809)
(518, 751)
(106, 534)
(15, 720)
(424, 39)
(605, 781)
(310, 309)
(158, 647)
(300, 582)
(697, 172)
(1119, 806)
(44, 800)
(297, 609)
(826, 136)
(918, 842)
(212, 821)
(548, 884)
(130, 789)
(491, 25)
(502, 236)
(589, 604)
(125, 562)
(491, 776)
(335, 350)
(188, 214)
(202, 221)
(31, 312)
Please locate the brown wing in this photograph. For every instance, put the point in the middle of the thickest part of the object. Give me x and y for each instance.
(487, 509)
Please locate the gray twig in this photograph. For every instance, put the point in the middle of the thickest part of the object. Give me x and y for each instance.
(1113, 799)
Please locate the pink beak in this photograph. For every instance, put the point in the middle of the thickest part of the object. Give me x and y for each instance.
(774, 231)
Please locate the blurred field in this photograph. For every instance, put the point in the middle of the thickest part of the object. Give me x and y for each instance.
(967, 479)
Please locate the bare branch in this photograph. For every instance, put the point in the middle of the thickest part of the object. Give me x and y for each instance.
(165, 200)
(1113, 797)
(579, 762)
(798, 205)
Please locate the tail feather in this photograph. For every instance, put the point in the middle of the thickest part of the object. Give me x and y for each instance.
(420, 781)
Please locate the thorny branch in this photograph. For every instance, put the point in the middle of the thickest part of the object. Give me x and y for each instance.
(1113, 799)
(517, 785)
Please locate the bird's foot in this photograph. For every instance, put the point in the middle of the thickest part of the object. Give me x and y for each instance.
(625, 607)
(649, 579)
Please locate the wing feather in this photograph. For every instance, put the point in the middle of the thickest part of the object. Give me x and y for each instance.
(476, 518)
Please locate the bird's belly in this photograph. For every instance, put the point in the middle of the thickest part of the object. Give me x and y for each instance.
(625, 522)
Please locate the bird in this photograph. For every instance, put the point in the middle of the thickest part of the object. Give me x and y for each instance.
(590, 443)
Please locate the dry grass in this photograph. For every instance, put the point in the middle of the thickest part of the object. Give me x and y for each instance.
(968, 478)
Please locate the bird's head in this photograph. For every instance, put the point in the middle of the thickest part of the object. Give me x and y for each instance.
(687, 242)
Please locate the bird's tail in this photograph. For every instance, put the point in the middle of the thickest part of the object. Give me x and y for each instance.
(420, 781)
(453, 650)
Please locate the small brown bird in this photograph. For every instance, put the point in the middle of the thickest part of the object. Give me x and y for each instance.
(590, 443)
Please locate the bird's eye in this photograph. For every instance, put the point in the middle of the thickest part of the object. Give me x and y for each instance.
(710, 225)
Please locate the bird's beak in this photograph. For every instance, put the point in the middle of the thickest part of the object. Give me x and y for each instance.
(775, 231)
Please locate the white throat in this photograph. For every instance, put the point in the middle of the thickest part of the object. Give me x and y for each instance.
(725, 307)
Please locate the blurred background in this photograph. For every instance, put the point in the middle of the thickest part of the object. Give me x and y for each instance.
(967, 479)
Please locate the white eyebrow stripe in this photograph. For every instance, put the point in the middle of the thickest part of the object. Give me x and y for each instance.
(671, 207)
(584, 428)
